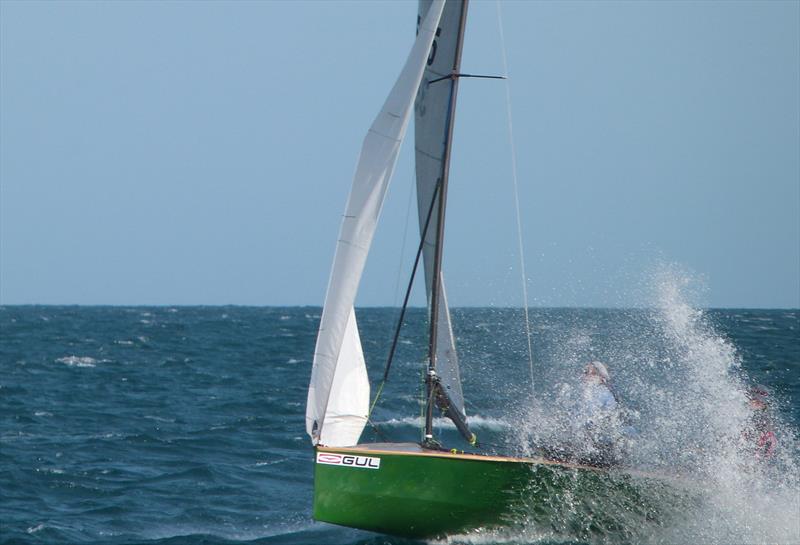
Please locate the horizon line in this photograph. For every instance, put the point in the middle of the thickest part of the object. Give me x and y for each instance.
(416, 307)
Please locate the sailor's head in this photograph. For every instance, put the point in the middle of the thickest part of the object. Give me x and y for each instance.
(758, 397)
(596, 372)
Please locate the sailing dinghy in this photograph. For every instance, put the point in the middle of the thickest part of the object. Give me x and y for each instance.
(409, 489)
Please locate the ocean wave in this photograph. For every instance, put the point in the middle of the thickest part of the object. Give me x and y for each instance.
(123, 466)
(53, 470)
(221, 532)
(271, 462)
(34, 529)
(78, 361)
(474, 421)
(160, 419)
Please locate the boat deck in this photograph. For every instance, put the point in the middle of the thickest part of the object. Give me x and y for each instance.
(414, 449)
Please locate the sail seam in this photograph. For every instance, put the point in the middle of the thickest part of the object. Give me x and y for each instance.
(385, 136)
(428, 155)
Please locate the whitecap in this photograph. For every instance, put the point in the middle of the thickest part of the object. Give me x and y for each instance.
(272, 462)
(53, 470)
(159, 418)
(292, 360)
(34, 529)
(42, 413)
(474, 421)
(78, 361)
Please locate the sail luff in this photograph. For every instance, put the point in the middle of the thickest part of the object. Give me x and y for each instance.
(441, 342)
(338, 394)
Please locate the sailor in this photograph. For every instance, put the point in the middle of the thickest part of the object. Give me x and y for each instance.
(597, 395)
(759, 431)
(600, 416)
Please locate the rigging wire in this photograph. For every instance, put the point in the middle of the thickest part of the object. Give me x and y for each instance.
(516, 192)
(403, 309)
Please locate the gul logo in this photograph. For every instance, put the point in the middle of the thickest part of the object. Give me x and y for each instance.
(348, 460)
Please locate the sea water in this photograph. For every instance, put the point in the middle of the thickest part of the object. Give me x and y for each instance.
(127, 425)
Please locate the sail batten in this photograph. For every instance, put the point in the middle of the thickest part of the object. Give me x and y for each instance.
(338, 394)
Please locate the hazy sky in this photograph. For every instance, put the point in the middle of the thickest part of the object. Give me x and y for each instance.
(201, 152)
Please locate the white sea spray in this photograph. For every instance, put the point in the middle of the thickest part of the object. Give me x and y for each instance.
(683, 389)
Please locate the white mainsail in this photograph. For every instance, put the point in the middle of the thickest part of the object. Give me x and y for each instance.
(431, 123)
(338, 395)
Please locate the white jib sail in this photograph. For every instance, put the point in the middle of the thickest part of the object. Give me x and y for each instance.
(338, 395)
(430, 132)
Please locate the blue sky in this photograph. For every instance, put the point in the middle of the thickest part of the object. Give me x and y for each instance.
(201, 153)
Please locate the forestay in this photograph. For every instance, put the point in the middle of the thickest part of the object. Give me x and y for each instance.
(432, 112)
(338, 395)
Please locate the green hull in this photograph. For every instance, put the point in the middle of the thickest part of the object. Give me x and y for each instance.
(407, 491)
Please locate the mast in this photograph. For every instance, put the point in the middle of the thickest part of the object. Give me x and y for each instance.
(430, 377)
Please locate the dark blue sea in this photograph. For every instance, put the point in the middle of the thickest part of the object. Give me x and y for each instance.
(185, 425)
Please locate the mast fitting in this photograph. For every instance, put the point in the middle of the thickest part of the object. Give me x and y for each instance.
(455, 75)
